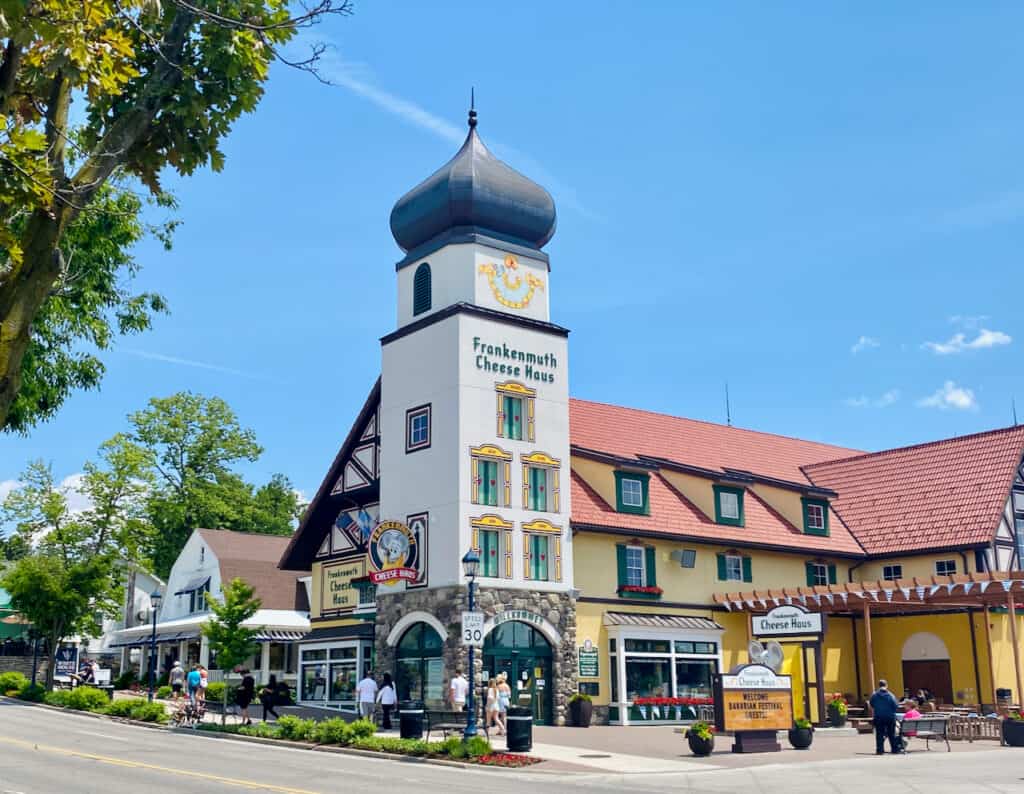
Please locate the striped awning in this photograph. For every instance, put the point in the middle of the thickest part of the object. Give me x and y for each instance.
(269, 635)
(660, 621)
(161, 637)
(198, 583)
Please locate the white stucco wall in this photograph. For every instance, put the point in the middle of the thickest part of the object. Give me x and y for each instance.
(195, 559)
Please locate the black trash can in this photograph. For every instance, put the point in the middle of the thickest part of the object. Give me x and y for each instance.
(520, 729)
(410, 719)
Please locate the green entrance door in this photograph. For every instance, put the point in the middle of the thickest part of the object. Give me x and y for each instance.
(524, 655)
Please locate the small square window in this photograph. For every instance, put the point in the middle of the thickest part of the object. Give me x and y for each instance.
(417, 428)
(688, 558)
(729, 504)
(635, 566)
(733, 568)
(815, 516)
(632, 493)
(819, 573)
(892, 572)
(945, 567)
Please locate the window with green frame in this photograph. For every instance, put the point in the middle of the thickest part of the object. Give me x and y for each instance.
(487, 471)
(734, 567)
(636, 566)
(728, 505)
(815, 516)
(513, 409)
(490, 553)
(820, 574)
(539, 551)
(631, 492)
(537, 485)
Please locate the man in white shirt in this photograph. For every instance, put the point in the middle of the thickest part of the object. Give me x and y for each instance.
(457, 691)
(366, 694)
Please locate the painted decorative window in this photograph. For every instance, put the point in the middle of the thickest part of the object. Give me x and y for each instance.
(492, 539)
(945, 567)
(491, 475)
(729, 505)
(734, 568)
(541, 482)
(516, 411)
(892, 572)
(417, 428)
(542, 551)
(635, 566)
(421, 290)
(815, 516)
(631, 489)
(820, 574)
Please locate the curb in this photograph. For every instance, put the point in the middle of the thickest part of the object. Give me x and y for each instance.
(94, 715)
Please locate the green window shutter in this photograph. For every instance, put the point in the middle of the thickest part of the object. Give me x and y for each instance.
(649, 557)
(721, 567)
(538, 488)
(513, 418)
(621, 552)
(748, 575)
(539, 558)
(810, 573)
(489, 552)
(488, 482)
(421, 297)
(831, 574)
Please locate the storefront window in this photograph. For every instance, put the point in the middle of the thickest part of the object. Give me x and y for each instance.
(314, 681)
(693, 678)
(648, 646)
(648, 678)
(419, 668)
(343, 681)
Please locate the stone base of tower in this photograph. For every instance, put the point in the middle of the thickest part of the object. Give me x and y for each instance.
(550, 615)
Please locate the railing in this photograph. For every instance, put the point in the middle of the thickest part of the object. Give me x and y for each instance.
(974, 728)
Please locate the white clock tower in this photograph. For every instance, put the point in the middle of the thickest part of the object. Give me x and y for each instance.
(474, 423)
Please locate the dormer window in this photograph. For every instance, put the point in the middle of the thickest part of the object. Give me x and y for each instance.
(815, 517)
(729, 505)
(631, 492)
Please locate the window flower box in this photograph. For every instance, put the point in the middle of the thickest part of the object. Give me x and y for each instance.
(638, 591)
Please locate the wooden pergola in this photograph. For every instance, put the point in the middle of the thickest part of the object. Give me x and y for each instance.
(903, 596)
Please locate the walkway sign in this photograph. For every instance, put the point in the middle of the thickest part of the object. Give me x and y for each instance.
(786, 621)
(66, 662)
(588, 660)
(754, 702)
(473, 629)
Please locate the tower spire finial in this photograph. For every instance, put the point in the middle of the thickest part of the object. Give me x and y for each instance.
(472, 107)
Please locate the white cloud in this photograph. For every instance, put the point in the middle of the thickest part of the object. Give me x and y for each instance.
(864, 343)
(6, 486)
(884, 401)
(951, 396)
(71, 486)
(958, 343)
(188, 362)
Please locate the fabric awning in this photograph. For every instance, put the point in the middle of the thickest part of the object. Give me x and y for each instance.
(660, 621)
(198, 583)
(280, 636)
(161, 637)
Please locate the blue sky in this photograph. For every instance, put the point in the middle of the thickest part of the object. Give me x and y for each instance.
(794, 198)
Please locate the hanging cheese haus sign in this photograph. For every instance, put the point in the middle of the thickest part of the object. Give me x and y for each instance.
(786, 621)
(394, 554)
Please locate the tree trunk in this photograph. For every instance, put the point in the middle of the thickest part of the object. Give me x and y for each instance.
(21, 297)
(51, 667)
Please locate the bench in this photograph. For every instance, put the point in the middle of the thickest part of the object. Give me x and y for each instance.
(927, 728)
(445, 721)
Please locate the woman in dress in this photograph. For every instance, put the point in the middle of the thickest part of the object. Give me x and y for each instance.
(504, 701)
(491, 706)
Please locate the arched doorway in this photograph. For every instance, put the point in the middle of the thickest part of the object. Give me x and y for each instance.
(419, 668)
(926, 666)
(524, 655)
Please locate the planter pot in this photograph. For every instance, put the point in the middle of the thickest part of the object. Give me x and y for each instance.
(1013, 733)
(700, 746)
(835, 719)
(801, 738)
(581, 712)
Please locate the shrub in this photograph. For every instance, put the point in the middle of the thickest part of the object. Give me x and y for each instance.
(121, 708)
(125, 680)
(580, 696)
(86, 698)
(12, 680)
(360, 729)
(391, 744)
(215, 691)
(802, 723)
(262, 729)
(332, 731)
(59, 697)
(164, 692)
(452, 747)
(148, 712)
(295, 729)
(478, 746)
(32, 693)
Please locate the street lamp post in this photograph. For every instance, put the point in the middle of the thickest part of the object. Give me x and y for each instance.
(154, 604)
(471, 567)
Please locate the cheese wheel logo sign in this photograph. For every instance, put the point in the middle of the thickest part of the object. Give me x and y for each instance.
(394, 554)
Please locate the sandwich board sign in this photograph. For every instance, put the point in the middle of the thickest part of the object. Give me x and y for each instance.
(754, 702)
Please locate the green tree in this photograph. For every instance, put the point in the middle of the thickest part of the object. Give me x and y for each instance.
(69, 581)
(160, 84)
(230, 641)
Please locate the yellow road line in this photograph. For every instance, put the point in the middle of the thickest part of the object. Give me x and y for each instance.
(251, 784)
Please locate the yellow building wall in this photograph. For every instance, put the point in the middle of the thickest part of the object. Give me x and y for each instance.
(922, 565)
(599, 476)
(314, 591)
(786, 502)
(698, 490)
(1002, 652)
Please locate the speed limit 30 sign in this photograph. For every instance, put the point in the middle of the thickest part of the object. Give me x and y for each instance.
(473, 628)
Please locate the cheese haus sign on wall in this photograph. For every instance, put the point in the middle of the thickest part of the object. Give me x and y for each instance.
(786, 621)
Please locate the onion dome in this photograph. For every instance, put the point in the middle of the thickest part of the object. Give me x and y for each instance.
(475, 189)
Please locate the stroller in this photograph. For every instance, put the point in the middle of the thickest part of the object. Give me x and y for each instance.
(189, 713)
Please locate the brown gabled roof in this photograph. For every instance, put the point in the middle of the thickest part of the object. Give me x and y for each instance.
(629, 432)
(253, 557)
(943, 494)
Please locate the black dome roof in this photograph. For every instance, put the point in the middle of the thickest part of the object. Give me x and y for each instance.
(475, 189)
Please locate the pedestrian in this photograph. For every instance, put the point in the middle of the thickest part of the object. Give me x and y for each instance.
(204, 682)
(387, 699)
(245, 694)
(193, 680)
(268, 697)
(504, 701)
(176, 678)
(457, 691)
(883, 711)
(491, 707)
(366, 695)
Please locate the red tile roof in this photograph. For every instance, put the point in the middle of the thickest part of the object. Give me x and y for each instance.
(672, 514)
(942, 494)
(628, 432)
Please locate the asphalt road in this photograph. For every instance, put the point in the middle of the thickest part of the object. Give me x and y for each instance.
(46, 752)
